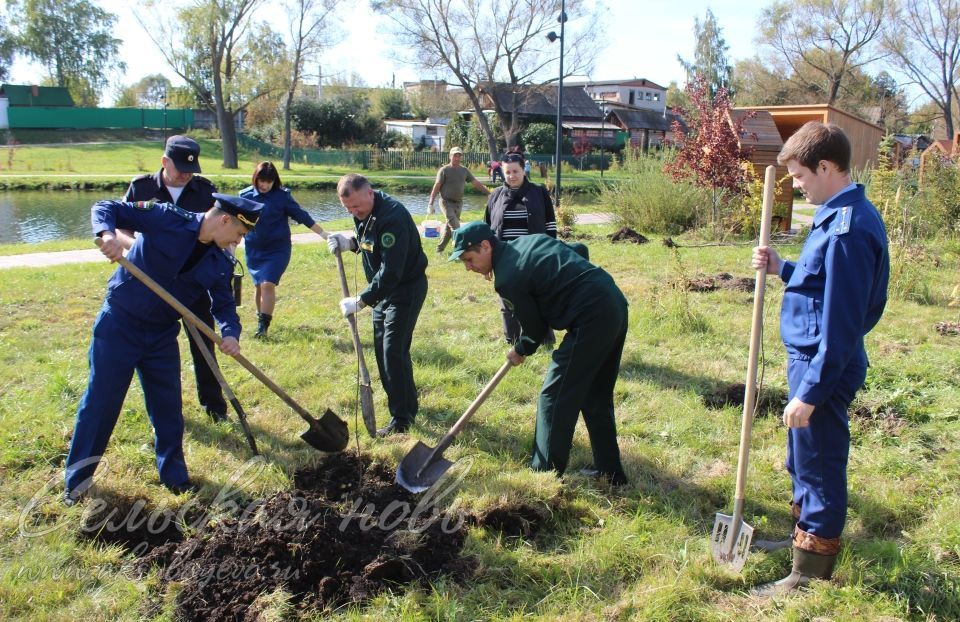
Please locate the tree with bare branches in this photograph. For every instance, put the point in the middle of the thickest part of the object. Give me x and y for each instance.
(823, 41)
(214, 47)
(498, 44)
(923, 39)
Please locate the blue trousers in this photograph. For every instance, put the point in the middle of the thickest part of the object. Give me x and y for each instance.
(817, 454)
(393, 322)
(121, 345)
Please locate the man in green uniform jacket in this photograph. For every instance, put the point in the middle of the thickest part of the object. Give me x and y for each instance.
(395, 266)
(550, 285)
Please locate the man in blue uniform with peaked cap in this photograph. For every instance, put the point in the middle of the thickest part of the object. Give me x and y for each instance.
(137, 331)
(178, 182)
(835, 294)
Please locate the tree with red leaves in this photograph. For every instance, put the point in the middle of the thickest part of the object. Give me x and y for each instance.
(709, 150)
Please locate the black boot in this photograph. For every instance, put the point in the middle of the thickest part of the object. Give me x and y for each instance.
(394, 427)
(263, 324)
(807, 566)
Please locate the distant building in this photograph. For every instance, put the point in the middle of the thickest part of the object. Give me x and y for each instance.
(645, 128)
(33, 95)
(431, 132)
(638, 92)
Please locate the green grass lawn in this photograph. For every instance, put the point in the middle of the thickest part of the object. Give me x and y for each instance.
(640, 553)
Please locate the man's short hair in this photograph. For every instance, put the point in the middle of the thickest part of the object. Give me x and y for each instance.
(814, 142)
(351, 183)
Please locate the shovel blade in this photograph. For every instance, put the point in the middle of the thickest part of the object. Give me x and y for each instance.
(421, 468)
(730, 543)
(366, 408)
(328, 433)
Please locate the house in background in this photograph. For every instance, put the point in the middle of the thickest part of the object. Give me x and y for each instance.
(29, 96)
(538, 103)
(942, 149)
(430, 132)
(761, 136)
(637, 93)
(642, 128)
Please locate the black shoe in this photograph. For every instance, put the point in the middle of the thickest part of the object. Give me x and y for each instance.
(261, 333)
(181, 489)
(218, 416)
(614, 479)
(394, 427)
(70, 499)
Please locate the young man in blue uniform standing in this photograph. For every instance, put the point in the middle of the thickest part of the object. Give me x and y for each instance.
(548, 284)
(137, 331)
(177, 182)
(835, 294)
(395, 265)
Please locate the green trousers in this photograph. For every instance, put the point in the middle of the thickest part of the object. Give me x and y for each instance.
(580, 379)
(393, 322)
(451, 211)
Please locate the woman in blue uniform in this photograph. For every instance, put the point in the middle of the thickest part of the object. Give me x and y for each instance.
(268, 248)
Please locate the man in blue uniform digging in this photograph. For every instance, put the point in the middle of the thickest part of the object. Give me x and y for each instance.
(137, 331)
(835, 293)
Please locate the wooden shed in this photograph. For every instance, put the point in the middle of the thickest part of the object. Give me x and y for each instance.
(760, 134)
(864, 137)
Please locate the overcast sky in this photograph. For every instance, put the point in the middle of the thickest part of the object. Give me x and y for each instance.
(643, 39)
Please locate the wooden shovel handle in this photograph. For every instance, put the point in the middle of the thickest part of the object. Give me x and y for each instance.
(756, 330)
(352, 319)
(472, 408)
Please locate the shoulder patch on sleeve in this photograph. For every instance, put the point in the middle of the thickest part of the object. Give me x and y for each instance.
(387, 240)
(844, 216)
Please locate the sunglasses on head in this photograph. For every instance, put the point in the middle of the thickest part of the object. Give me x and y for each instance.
(512, 157)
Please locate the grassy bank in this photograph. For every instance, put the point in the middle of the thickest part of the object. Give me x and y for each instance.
(640, 553)
(110, 165)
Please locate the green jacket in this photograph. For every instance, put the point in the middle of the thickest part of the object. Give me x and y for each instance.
(546, 283)
(390, 245)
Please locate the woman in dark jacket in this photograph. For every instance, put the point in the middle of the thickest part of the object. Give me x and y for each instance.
(518, 208)
(268, 246)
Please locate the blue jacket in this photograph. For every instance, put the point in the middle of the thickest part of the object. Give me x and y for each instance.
(197, 195)
(169, 235)
(835, 292)
(273, 228)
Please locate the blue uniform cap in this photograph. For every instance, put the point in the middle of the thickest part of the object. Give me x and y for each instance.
(246, 211)
(185, 153)
(468, 235)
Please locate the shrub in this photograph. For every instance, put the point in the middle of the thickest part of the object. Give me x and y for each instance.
(648, 200)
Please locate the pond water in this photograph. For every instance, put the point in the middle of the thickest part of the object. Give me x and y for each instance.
(57, 215)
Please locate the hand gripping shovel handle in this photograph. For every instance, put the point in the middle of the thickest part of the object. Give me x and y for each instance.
(756, 330)
(227, 391)
(366, 392)
(206, 330)
(465, 417)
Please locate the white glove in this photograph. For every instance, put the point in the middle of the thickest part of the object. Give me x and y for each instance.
(338, 241)
(349, 306)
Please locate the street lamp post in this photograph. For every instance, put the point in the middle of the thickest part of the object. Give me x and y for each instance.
(603, 121)
(553, 36)
(164, 97)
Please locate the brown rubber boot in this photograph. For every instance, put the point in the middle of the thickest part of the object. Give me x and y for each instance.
(813, 558)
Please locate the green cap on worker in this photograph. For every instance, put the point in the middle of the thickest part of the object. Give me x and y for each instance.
(468, 235)
(245, 210)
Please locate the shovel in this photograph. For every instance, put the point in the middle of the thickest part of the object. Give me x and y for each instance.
(731, 535)
(366, 393)
(329, 433)
(227, 391)
(423, 466)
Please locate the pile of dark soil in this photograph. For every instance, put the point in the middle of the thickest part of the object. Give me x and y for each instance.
(626, 234)
(948, 328)
(335, 538)
(884, 419)
(724, 280)
(769, 400)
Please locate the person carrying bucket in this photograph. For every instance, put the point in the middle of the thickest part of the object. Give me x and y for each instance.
(451, 181)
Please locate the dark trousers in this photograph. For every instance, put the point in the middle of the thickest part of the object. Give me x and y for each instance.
(817, 454)
(393, 322)
(208, 389)
(120, 346)
(580, 379)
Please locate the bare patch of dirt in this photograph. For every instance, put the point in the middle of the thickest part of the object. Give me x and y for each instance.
(733, 394)
(948, 328)
(884, 419)
(724, 280)
(626, 234)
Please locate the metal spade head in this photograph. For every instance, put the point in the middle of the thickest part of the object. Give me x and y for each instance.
(421, 468)
(328, 433)
(730, 542)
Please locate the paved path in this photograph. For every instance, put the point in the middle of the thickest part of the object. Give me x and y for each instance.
(43, 260)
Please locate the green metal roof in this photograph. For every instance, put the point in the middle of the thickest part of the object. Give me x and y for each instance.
(27, 95)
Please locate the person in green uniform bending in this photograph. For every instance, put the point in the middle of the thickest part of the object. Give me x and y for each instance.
(394, 264)
(548, 284)
(451, 181)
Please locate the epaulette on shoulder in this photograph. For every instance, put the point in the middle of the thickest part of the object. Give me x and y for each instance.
(142, 177)
(844, 217)
(180, 211)
(203, 180)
